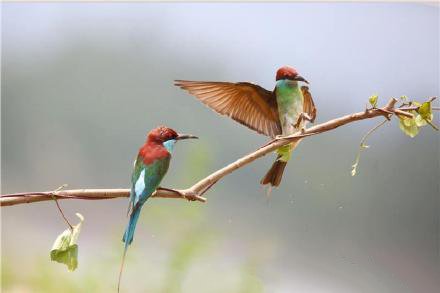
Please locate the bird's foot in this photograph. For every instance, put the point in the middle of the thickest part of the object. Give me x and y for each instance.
(307, 117)
(168, 189)
(303, 116)
(186, 196)
(190, 197)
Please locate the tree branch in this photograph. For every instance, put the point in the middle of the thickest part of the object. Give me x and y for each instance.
(196, 191)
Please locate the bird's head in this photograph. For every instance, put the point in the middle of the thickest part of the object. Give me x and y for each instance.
(163, 134)
(290, 73)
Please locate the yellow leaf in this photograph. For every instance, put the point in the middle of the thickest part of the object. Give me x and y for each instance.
(373, 100)
(65, 249)
(409, 126)
(425, 111)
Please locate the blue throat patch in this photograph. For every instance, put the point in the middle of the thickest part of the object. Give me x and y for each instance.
(286, 83)
(169, 145)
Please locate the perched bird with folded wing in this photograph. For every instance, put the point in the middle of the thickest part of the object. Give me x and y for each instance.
(150, 167)
(283, 111)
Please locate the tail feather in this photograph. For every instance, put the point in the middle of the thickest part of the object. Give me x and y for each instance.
(275, 173)
(129, 231)
(122, 265)
(128, 238)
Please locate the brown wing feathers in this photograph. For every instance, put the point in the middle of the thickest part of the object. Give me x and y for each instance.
(309, 105)
(247, 103)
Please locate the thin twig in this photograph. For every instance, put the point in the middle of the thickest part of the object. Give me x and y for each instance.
(363, 146)
(432, 124)
(403, 113)
(409, 108)
(59, 207)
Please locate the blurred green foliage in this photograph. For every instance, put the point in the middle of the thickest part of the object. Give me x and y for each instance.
(189, 241)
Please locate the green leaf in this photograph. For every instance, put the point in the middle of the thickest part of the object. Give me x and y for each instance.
(425, 111)
(373, 100)
(408, 126)
(420, 121)
(425, 115)
(65, 250)
(404, 98)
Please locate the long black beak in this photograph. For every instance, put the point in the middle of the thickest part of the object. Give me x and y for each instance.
(300, 78)
(185, 136)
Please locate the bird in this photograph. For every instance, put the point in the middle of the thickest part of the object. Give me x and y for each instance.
(150, 167)
(280, 112)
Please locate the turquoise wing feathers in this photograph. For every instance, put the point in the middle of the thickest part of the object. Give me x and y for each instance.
(145, 180)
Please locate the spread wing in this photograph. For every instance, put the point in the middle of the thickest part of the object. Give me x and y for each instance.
(309, 105)
(246, 103)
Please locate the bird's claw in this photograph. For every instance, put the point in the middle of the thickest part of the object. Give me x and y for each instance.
(190, 197)
(307, 117)
(302, 116)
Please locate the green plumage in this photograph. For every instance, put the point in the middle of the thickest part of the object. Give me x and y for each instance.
(153, 174)
(290, 102)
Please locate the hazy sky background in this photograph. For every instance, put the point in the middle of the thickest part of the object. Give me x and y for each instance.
(82, 84)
